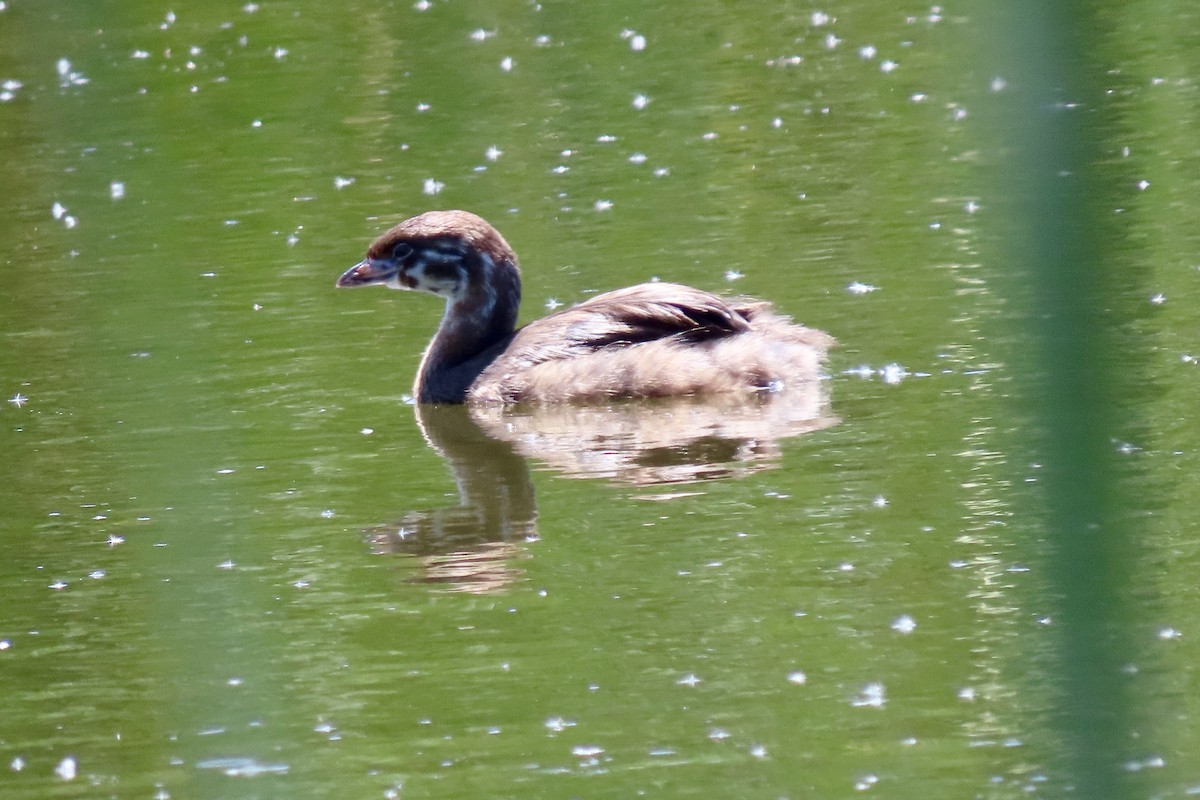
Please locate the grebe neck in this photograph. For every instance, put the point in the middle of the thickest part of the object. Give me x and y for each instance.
(477, 325)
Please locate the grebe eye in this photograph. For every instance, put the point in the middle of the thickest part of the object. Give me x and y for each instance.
(401, 251)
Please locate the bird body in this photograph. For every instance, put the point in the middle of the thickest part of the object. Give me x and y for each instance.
(649, 340)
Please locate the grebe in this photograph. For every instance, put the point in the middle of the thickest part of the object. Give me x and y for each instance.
(649, 340)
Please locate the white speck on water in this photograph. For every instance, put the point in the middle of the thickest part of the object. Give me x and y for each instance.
(341, 183)
(866, 782)
(97, 574)
(718, 734)
(17, 764)
(1167, 633)
(831, 41)
(967, 694)
(423, 107)
(759, 751)
(867, 52)
(893, 374)
(422, 5)
(18, 400)
(280, 53)
(250, 8)
(558, 724)
(711, 135)
(432, 186)
(256, 123)
(919, 97)
(8, 89)
(328, 513)
(871, 696)
(114, 540)
(507, 64)
(971, 207)
(998, 84)
(637, 43)
(879, 501)
(560, 169)
(797, 677)
(543, 40)
(242, 767)
(58, 210)
(67, 76)
(637, 158)
(603, 205)
(820, 18)
(904, 624)
(691, 679)
(1151, 762)
(58, 586)
(480, 35)
(66, 769)
(857, 287)
(640, 101)
(226, 564)
(586, 750)
(604, 138)
(301, 584)
(367, 431)
(493, 153)
(777, 123)
(1143, 185)
(226, 471)
(116, 190)
(732, 275)
(234, 682)
(553, 303)
(888, 66)
(1158, 299)
(661, 172)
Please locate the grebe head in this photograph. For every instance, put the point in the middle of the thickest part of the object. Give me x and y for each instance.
(453, 254)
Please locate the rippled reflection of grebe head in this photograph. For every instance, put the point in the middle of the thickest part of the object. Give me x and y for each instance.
(649, 340)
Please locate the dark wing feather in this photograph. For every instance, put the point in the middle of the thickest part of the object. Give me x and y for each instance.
(643, 313)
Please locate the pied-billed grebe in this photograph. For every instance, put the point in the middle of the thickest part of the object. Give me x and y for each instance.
(650, 340)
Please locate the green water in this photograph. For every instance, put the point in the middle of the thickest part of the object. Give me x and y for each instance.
(235, 564)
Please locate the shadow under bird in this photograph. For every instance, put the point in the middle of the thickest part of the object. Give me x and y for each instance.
(649, 340)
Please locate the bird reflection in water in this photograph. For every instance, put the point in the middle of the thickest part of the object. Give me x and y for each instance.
(469, 547)
(475, 546)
